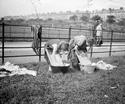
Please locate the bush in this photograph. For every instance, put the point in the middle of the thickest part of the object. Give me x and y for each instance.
(84, 18)
(110, 19)
(74, 17)
(96, 17)
(121, 22)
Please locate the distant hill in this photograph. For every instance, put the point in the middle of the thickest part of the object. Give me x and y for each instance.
(118, 13)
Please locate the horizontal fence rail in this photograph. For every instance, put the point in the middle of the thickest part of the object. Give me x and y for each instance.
(22, 33)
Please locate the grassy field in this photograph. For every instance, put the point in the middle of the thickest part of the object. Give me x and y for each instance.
(100, 87)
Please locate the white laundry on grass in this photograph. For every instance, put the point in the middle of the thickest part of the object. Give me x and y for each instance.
(104, 66)
(15, 70)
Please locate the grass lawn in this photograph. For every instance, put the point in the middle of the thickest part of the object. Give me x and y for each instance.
(100, 87)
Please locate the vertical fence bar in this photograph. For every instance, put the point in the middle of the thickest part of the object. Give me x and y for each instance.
(25, 31)
(3, 42)
(91, 51)
(10, 31)
(92, 36)
(111, 43)
(40, 37)
(59, 34)
(70, 33)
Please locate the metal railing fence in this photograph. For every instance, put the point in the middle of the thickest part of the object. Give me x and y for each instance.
(23, 33)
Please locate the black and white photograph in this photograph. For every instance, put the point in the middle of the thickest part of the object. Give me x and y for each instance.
(62, 51)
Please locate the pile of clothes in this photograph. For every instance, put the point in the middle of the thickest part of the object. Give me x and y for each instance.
(104, 66)
(9, 69)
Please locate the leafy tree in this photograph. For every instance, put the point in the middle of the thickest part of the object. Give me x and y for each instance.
(84, 18)
(121, 8)
(96, 17)
(15, 21)
(122, 22)
(74, 17)
(110, 19)
(19, 21)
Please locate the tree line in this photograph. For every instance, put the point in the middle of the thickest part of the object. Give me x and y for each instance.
(111, 19)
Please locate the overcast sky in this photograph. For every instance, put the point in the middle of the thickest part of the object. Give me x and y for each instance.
(24, 7)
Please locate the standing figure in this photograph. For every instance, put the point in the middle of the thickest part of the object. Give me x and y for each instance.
(99, 34)
(94, 31)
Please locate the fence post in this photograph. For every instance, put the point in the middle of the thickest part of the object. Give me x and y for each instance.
(24, 32)
(3, 40)
(10, 31)
(111, 43)
(91, 51)
(40, 37)
(70, 33)
(92, 35)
